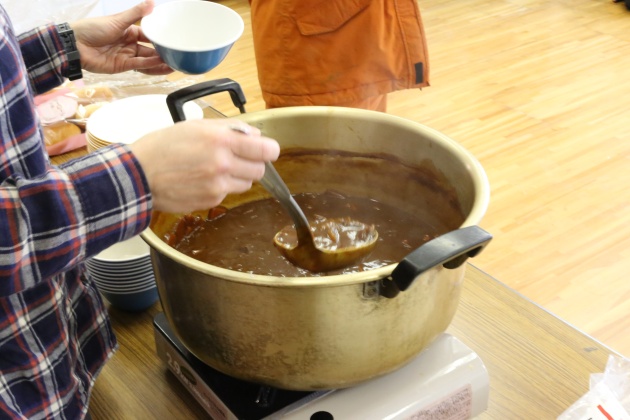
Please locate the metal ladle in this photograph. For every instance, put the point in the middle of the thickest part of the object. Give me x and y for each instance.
(306, 254)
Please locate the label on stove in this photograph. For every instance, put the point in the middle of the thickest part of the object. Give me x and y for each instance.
(455, 406)
(186, 375)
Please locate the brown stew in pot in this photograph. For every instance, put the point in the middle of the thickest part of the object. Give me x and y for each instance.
(241, 238)
(408, 205)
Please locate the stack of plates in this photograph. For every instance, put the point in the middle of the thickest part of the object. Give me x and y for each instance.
(123, 273)
(126, 120)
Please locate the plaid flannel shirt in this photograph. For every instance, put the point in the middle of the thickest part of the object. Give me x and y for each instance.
(54, 331)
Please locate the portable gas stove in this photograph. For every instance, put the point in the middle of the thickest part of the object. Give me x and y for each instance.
(446, 381)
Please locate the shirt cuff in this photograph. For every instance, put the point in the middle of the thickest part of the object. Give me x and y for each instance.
(44, 57)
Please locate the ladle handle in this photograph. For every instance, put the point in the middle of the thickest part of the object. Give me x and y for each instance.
(279, 190)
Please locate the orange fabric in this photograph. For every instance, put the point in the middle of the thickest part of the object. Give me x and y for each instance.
(374, 103)
(333, 52)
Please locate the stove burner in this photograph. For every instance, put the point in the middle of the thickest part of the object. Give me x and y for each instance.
(446, 381)
(245, 400)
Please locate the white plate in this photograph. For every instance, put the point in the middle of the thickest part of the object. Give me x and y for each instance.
(128, 119)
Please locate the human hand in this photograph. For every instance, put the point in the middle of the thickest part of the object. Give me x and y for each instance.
(110, 44)
(194, 164)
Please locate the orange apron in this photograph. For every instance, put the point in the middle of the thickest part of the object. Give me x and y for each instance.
(334, 52)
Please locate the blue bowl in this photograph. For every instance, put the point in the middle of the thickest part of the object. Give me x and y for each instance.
(132, 302)
(191, 62)
(192, 36)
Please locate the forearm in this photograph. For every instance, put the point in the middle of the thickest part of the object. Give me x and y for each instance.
(69, 214)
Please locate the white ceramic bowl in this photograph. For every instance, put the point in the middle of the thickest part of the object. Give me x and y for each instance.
(192, 36)
(121, 279)
(123, 273)
(129, 249)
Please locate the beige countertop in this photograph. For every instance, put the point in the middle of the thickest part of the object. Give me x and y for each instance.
(538, 364)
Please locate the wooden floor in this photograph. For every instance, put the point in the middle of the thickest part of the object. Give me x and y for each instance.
(539, 92)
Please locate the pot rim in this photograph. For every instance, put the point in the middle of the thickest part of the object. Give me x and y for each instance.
(480, 205)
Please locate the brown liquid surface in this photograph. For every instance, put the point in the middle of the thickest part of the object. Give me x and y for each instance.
(241, 238)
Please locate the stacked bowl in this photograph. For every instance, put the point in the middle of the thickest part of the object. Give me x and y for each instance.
(126, 120)
(123, 273)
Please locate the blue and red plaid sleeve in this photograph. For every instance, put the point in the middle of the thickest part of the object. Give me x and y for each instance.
(53, 218)
(44, 57)
(68, 214)
(54, 331)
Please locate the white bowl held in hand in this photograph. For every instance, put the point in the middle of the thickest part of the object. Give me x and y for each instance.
(192, 36)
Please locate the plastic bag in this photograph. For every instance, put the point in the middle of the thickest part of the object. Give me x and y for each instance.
(28, 14)
(608, 397)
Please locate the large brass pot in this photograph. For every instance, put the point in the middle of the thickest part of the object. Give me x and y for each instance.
(313, 333)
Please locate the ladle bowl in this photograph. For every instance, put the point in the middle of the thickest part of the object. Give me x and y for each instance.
(322, 259)
(341, 250)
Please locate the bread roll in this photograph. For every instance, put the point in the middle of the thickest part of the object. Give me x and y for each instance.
(57, 133)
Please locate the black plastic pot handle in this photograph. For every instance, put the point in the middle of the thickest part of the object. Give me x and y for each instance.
(450, 250)
(176, 100)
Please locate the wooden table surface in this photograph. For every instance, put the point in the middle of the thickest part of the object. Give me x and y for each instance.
(538, 364)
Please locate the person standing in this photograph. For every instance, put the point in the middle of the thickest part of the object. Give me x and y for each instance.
(338, 52)
(55, 335)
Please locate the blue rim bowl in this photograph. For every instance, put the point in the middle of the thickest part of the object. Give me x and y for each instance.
(132, 302)
(192, 36)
